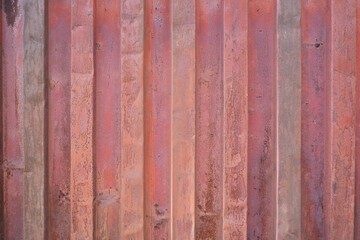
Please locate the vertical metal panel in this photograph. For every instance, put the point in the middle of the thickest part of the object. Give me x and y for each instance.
(183, 119)
(157, 107)
(107, 119)
(315, 50)
(340, 170)
(262, 120)
(288, 119)
(81, 119)
(13, 162)
(34, 100)
(209, 133)
(357, 130)
(132, 120)
(58, 131)
(144, 119)
(236, 118)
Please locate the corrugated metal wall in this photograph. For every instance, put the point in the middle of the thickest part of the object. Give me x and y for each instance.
(182, 119)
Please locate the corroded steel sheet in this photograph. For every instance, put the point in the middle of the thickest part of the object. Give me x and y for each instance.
(107, 119)
(262, 121)
(180, 119)
(315, 65)
(157, 119)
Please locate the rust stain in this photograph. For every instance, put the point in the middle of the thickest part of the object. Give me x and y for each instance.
(11, 9)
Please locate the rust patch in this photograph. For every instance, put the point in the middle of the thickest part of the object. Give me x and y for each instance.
(11, 10)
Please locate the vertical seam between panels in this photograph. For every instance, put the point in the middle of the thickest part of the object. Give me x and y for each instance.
(223, 118)
(171, 120)
(277, 120)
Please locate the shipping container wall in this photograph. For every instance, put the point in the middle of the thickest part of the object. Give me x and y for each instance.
(180, 119)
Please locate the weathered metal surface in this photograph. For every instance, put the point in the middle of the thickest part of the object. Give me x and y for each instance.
(13, 161)
(107, 119)
(262, 128)
(315, 65)
(157, 119)
(209, 120)
(341, 97)
(81, 119)
(236, 119)
(58, 119)
(34, 113)
(357, 130)
(132, 120)
(184, 119)
(288, 119)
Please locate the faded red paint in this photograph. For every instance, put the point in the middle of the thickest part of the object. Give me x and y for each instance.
(357, 130)
(12, 119)
(262, 120)
(58, 93)
(340, 163)
(107, 119)
(315, 44)
(157, 110)
(236, 119)
(132, 124)
(81, 119)
(180, 119)
(183, 117)
(209, 134)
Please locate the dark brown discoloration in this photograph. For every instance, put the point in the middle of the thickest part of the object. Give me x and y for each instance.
(11, 9)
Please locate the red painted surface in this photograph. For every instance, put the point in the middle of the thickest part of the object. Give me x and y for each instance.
(262, 120)
(107, 119)
(58, 138)
(184, 119)
(12, 121)
(357, 139)
(157, 110)
(235, 119)
(209, 134)
(315, 44)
